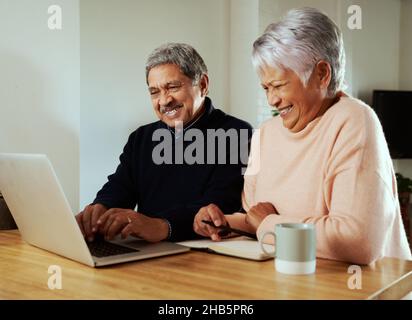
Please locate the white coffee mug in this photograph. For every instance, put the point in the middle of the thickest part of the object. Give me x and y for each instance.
(295, 248)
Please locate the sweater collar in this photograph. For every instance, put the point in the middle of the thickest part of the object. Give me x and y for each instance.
(311, 126)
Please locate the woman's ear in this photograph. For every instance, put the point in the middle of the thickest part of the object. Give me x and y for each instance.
(323, 72)
(204, 84)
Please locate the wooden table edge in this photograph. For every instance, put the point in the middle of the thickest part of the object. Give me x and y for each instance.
(395, 290)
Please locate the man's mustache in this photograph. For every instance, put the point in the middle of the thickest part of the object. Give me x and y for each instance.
(164, 109)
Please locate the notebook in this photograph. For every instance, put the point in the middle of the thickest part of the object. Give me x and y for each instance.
(240, 247)
(44, 217)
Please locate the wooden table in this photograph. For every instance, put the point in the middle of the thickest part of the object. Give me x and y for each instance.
(194, 275)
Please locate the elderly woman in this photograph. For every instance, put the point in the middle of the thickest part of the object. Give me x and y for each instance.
(324, 160)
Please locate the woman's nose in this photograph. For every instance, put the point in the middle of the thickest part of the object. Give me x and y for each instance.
(273, 99)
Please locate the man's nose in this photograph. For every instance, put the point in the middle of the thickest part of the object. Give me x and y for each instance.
(165, 99)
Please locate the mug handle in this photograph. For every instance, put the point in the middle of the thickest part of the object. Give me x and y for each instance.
(273, 253)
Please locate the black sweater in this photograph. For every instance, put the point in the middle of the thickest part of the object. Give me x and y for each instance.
(174, 191)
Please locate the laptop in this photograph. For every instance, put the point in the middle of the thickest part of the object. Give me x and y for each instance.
(45, 220)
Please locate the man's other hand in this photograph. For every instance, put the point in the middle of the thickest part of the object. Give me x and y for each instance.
(128, 222)
(87, 220)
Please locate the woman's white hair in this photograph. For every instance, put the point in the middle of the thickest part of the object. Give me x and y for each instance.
(302, 38)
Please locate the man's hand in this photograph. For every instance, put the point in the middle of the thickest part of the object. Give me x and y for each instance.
(257, 213)
(211, 213)
(87, 220)
(128, 222)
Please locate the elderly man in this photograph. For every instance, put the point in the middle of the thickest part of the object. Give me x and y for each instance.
(169, 193)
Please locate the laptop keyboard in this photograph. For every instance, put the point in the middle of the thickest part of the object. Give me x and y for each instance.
(105, 249)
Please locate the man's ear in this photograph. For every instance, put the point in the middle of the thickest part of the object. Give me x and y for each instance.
(323, 73)
(204, 84)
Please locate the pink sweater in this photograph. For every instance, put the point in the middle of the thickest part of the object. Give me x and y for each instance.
(337, 174)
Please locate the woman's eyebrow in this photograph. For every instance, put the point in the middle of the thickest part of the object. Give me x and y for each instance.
(276, 81)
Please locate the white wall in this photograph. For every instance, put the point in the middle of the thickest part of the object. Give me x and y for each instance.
(244, 83)
(375, 48)
(39, 86)
(405, 59)
(116, 38)
(404, 166)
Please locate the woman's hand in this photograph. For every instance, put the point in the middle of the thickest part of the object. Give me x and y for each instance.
(257, 213)
(210, 213)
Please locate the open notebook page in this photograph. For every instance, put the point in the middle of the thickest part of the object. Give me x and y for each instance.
(242, 247)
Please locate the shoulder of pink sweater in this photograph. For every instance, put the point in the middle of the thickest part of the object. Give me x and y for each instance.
(359, 110)
(355, 119)
(361, 123)
(353, 110)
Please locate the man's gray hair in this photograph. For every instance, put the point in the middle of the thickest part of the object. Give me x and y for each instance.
(302, 38)
(184, 56)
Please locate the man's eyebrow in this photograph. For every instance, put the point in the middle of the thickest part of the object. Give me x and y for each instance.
(173, 82)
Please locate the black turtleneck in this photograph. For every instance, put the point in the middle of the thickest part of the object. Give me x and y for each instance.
(176, 191)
